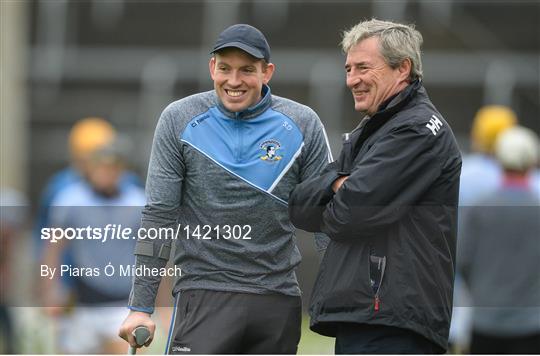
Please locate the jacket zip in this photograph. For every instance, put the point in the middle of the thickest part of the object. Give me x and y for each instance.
(381, 266)
(237, 137)
(344, 168)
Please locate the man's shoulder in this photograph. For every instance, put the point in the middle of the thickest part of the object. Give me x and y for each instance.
(423, 117)
(300, 113)
(73, 194)
(285, 104)
(190, 106)
(57, 183)
(423, 123)
(62, 178)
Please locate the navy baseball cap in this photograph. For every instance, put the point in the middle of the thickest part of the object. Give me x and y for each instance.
(245, 37)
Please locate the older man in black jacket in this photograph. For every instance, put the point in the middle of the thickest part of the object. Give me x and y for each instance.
(388, 204)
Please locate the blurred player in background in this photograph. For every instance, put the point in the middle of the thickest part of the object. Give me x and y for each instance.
(481, 173)
(499, 252)
(86, 136)
(98, 302)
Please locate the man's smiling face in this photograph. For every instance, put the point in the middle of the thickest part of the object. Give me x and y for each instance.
(370, 79)
(238, 78)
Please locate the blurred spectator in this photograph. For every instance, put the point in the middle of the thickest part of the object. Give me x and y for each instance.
(86, 136)
(98, 201)
(480, 174)
(499, 253)
(12, 219)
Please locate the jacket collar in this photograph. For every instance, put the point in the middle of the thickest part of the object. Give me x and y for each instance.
(369, 125)
(252, 111)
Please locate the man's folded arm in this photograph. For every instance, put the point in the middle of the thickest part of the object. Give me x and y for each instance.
(308, 200)
(382, 186)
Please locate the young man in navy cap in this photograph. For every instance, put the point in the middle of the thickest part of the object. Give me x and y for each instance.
(210, 178)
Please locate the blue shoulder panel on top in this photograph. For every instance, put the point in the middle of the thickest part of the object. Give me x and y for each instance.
(259, 150)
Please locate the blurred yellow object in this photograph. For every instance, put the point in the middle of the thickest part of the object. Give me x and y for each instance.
(88, 135)
(488, 123)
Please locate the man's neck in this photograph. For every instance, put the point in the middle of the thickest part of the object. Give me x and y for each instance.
(394, 93)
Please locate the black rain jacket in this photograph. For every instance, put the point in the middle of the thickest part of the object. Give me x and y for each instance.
(392, 224)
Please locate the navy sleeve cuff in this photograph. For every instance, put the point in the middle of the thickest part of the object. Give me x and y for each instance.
(144, 310)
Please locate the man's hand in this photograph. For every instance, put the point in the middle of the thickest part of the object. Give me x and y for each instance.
(338, 183)
(133, 320)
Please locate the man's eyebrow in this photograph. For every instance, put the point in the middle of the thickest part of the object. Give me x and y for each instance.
(356, 64)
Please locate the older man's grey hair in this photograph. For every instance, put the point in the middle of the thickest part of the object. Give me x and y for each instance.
(398, 42)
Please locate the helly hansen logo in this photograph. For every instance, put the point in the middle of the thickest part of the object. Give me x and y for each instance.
(434, 124)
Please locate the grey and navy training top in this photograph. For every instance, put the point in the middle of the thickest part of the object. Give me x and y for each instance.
(229, 174)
